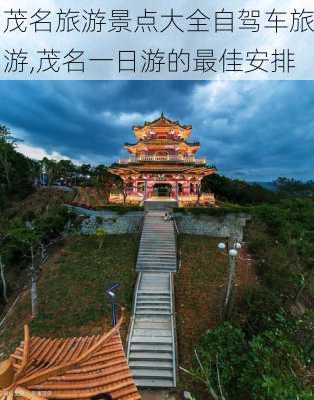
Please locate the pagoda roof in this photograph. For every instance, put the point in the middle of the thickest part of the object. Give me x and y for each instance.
(161, 143)
(162, 123)
(135, 170)
(73, 368)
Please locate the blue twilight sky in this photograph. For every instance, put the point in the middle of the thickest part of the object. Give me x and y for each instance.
(254, 130)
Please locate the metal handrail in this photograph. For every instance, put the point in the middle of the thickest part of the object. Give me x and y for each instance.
(131, 325)
(176, 226)
(176, 240)
(173, 332)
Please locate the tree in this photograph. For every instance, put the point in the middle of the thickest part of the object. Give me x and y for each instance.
(16, 170)
(3, 256)
(237, 191)
(101, 173)
(101, 236)
(124, 186)
(85, 169)
(65, 169)
(29, 238)
(293, 188)
(6, 147)
(51, 169)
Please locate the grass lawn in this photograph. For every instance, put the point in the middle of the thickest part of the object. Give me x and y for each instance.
(199, 289)
(72, 300)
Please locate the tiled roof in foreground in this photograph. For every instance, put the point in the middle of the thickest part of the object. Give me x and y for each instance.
(74, 368)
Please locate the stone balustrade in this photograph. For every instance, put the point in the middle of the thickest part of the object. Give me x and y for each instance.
(185, 160)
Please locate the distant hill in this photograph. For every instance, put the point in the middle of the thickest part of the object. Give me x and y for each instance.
(266, 185)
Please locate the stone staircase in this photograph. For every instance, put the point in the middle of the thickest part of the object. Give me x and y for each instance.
(152, 344)
(157, 250)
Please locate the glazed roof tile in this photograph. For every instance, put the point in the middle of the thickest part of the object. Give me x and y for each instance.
(72, 368)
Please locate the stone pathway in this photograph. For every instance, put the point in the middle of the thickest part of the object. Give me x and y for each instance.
(152, 344)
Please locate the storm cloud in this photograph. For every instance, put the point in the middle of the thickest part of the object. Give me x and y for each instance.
(255, 130)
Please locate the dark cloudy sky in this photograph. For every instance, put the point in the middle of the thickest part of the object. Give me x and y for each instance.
(255, 130)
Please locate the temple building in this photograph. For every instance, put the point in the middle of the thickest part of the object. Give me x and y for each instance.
(163, 165)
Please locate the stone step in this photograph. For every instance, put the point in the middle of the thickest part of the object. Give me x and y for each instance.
(152, 333)
(157, 239)
(155, 252)
(153, 308)
(155, 318)
(162, 233)
(158, 236)
(170, 270)
(156, 258)
(149, 302)
(157, 244)
(156, 262)
(153, 313)
(164, 277)
(156, 269)
(164, 285)
(154, 280)
(150, 340)
(145, 356)
(156, 383)
(148, 373)
(144, 292)
(159, 250)
(152, 325)
(155, 286)
(160, 364)
(164, 228)
(161, 348)
(152, 265)
(152, 300)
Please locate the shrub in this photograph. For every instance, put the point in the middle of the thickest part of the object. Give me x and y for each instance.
(260, 307)
(265, 367)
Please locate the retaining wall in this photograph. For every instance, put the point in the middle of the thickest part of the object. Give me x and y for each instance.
(230, 225)
(112, 222)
